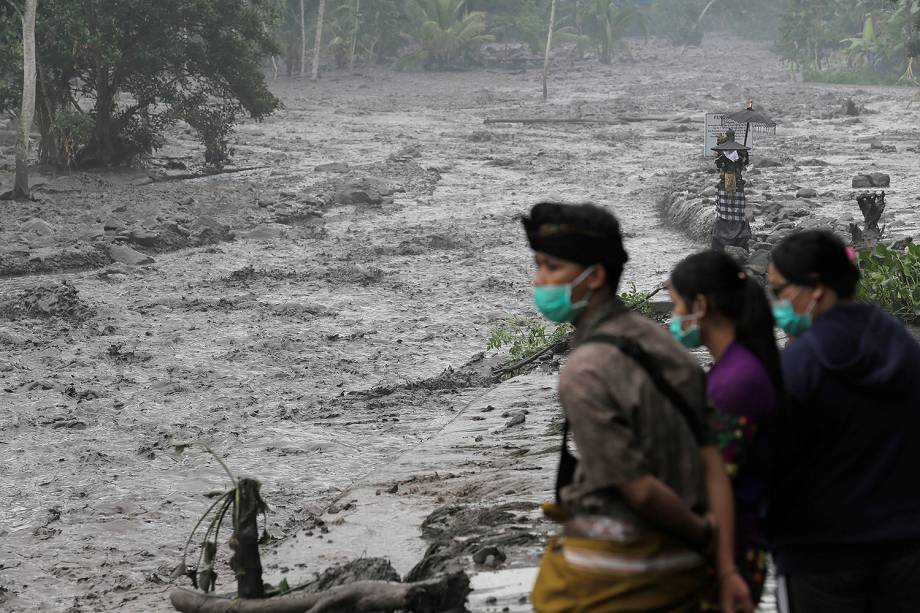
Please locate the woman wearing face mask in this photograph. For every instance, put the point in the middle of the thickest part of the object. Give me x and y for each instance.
(845, 502)
(633, 507)
(718, 306)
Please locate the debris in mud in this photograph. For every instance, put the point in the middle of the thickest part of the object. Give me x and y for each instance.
(43, 302)
(458, 532)
(362, 569)
(332, 167)
(39, 226)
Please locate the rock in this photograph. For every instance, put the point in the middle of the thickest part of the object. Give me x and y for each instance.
(175, 165)
(406, 153)
(738, 254)
(129, 256)
(862, 182)
(759, 261)
(806, 192)
(144, 237)
(332, 167)
(357, 195)
(39, 226)
(876, 144)
(850, 108)
(767, 163)
(186, 201)
(879, 179)
(113, 224)
(516, 420)
(480, 136)
(11, 338)
(813, 162)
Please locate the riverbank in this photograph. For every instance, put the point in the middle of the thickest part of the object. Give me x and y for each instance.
(319, 320)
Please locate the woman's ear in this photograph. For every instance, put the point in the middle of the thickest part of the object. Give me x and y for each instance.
(700, 306)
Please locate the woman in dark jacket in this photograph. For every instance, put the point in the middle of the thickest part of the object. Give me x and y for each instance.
(845, 504)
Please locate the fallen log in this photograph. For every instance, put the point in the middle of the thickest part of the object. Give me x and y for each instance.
(567, 120)
(441, 595)
(188, 176)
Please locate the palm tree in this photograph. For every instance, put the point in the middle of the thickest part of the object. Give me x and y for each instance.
(446, 32)
(27, 112)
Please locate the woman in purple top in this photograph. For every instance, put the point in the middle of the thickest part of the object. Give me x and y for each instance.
(717, 305)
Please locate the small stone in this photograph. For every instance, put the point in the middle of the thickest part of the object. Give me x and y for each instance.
(516, 420)
(806, 192)
(129, 256)
(877, 145)
(357, 196)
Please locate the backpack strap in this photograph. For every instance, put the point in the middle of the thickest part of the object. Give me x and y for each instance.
(629, 347)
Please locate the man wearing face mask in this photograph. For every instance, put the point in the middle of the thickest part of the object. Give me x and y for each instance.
(633, 506)
(845, 502)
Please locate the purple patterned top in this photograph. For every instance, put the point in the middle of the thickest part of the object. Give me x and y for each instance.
(745, 399)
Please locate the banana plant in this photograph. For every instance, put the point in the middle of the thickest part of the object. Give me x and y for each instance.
(447, 34)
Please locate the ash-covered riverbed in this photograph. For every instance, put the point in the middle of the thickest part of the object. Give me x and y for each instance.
(299, 316)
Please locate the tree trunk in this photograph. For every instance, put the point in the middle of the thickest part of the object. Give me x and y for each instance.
(303, 41)
(445, 593)
(27, 111)
(317, 43)
(245, 561)
(354, 38)
(549, 44)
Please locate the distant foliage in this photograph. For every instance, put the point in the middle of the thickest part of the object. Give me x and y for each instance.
(113, 74)
(891, 279)
(524, 336)
(873, 37)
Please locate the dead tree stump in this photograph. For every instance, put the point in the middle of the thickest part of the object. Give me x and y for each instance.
(245, 560)
(872, 205)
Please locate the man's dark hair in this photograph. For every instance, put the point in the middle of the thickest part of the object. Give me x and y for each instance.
(817, 256)
(584, 233)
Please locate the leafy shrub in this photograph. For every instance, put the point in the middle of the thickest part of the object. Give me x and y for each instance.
(891, 280)
(526, 336)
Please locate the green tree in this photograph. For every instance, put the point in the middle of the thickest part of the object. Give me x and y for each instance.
(114, 73)
(608, 23)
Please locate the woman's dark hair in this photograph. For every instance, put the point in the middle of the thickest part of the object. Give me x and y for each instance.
(733, 294)
(817, 256)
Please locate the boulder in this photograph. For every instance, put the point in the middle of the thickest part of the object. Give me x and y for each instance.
(144, 237)
(880, 179)
(767, 163)
(806, 192)
(862, 182)
(126, 255)
(39, 226)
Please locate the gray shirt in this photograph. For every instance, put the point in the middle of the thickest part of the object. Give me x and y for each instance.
(623, 427)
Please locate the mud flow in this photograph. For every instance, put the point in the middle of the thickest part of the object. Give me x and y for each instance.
(320, 318)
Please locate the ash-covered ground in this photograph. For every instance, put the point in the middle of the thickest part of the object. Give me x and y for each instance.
(320, 319)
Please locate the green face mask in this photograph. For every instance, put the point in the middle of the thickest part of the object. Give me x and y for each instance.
(555, 301)
(787, 320)
(689, 338)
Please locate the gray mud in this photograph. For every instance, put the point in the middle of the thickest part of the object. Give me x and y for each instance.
(312, 324)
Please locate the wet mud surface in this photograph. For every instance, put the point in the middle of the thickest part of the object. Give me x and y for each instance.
(319, 319)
